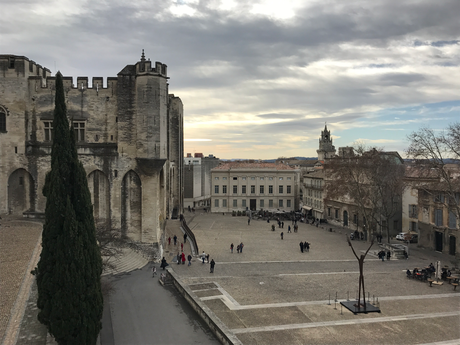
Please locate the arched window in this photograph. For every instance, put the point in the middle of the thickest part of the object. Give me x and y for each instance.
(2, 120)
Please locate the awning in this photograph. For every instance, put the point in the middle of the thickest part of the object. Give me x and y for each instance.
(308, 208)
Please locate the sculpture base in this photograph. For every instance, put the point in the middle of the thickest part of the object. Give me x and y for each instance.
(353, 307)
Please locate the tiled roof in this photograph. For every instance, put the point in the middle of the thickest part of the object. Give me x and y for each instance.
(247, 165)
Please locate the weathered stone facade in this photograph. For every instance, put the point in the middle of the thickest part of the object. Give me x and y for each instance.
(129, 139)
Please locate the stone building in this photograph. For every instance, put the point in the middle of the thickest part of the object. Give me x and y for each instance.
(326, 149)
(197, 179)
(254, 186)
(129, 139)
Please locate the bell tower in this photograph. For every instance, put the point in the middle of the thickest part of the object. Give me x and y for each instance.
(326, 149)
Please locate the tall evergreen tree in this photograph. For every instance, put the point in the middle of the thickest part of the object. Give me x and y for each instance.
(70, 266)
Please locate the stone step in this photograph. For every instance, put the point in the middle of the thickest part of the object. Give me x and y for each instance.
(128, 261)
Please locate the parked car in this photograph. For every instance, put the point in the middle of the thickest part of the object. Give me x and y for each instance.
(402, 237)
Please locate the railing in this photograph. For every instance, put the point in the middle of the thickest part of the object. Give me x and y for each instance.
(190, 235)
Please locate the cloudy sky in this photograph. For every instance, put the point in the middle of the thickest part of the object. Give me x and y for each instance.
(259, 79)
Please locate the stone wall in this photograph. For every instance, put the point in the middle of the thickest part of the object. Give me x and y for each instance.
(129, 139)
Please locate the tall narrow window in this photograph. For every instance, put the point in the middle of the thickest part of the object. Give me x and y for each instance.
(48, 130)
(235, 189)
(288, 203)
(253, 189)
(224, 189)
(216, 189)
(262, 189)
(288, 189)
(243, 189)
(79, 130)
(270, 189)
(280, 189)
(2, 121)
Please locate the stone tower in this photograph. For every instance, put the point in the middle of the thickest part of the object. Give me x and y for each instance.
(326, 149)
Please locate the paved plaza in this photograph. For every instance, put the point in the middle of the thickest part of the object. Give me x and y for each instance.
(272, 293)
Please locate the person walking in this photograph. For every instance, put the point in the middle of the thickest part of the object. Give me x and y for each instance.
(178, 257)
(203, 256)
(238, 248)
(282, 225)
(182, 247)
(301, 246)
(185, 238)
(213, 263)
(154, 271)
(289, 229)
(306, 245)
(282, 235)
(183, 258)
(163, 263)
(207, 258)
(249, 220)
(231, 248)
(175, 239)
(241, 247)
(189, 258)
(388, 255)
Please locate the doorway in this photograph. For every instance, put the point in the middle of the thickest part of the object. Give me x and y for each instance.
(345, 218)
(438, 241)
(452, 245)
(252, 204)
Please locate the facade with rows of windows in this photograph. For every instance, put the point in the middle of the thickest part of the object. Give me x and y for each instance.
(254, 186)
(129, 138)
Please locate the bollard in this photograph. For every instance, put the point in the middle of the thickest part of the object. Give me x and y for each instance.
(336, 296)
(341, 307)
(329, 300)
(335, 305)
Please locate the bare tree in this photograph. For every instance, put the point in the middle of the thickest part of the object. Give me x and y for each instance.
(438, 154)
(110, 244)
(370, 180)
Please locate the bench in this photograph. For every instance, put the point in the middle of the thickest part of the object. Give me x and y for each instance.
(455, 285)
(437, 283)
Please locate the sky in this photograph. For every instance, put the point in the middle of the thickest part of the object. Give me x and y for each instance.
(260, 79)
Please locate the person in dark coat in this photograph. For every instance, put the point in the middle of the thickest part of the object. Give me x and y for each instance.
(178, 257)
(175, 239)
(301, 246)
(163, 263)
(189, 258)
(306, 245)
(185, 238)
(282, 235)
(213, 263)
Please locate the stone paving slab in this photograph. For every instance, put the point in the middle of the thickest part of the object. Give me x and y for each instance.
(274, 294)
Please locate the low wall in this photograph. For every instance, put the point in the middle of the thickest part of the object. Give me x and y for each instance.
(397, 250)
(219, 329)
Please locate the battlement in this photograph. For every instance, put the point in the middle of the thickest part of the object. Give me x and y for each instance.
(21, 65)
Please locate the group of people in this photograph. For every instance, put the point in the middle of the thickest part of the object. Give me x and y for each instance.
(304, 246)
(381, 255)
(239, 248)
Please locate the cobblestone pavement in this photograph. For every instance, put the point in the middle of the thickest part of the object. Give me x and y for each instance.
(18, 239)
(272, 293)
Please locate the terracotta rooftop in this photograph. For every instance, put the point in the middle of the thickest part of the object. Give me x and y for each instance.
(247, 165)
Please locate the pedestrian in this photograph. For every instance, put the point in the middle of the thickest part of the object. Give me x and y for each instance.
(169, 240)
(249, 220)
(154, 271)
(189, 258)
(183, 258)
(207, 258)
(185, 238)
(163, 263)
(282, 225)
(296, 227)
(213, 263)
(231, 248)
(241, 247)
(268, 220)
(301, 246)
(282, 235)
(182, 247)
(388, 255)
(273, 227)
(238, 248)
(178, 258)
(405, 255)
(306, 245)
(175, 239)
(203, 256)
(289, 229)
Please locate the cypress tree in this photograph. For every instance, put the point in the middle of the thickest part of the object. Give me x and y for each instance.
(70, 266)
